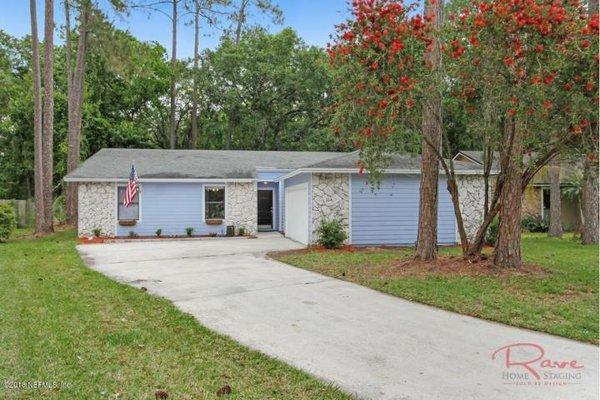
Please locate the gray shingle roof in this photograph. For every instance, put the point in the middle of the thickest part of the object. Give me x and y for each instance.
(190, 164)
(115, 164)
(411, 162)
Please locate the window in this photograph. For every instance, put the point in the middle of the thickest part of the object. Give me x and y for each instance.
(131, 212)
(545, 203)
(214, 202)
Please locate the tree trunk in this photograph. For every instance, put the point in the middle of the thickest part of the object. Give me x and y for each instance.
(589, 190)
(240, 19)
(75, 103)
(508, 244)
(40, 224)
(48, 115)
(194, 133)
(172, 131)
(589, 200)
(555, 207)
(432, 133)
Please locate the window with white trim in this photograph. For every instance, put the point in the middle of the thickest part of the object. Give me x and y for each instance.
(127, 213)
(214, 202)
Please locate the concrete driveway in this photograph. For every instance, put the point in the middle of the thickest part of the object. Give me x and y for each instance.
(370, 344)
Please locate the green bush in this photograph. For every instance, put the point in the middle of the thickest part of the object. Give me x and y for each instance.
(158, 232)
(132, 234)
(535, 224)
(8, 221)
(59, 209)
(97, 232)
(492, 233)
(189, 230)
(331, 234)
(241, 231)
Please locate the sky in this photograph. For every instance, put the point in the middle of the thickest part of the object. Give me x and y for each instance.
(313, 20)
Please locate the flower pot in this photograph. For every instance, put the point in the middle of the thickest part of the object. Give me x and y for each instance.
(127, 222)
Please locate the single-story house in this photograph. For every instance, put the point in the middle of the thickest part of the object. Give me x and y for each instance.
(536, 197)
(290, 192)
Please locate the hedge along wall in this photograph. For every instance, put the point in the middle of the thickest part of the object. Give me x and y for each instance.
(25, 211)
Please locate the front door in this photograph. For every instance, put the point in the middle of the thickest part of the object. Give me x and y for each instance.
(265, 210)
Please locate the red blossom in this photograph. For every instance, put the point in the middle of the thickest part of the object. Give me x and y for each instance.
(548, 79)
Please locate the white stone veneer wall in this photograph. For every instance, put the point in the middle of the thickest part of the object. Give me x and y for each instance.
(330, 200)
(471, 193)
(241, 206)
(97, 209)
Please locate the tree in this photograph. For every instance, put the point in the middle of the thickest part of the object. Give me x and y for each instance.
(555, 229)
(590, 228)
(277, 85)
(40, 220)
(239, 18)
(75, 83)
(524, 58)
(432, 141)
(173, 91)
(386, 64)
(204, 9)
(48, 117)
(173, 16)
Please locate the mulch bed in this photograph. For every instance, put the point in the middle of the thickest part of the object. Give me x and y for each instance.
(444, 265)
(461, 266)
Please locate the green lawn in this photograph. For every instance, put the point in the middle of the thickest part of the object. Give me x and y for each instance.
(61, 322)
(561, 300)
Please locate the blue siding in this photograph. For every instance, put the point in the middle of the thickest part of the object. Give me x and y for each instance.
(389, 215)
(171, 207)
(295, 180)
(275, 187)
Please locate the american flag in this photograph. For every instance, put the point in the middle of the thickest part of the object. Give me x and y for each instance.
(132, 187)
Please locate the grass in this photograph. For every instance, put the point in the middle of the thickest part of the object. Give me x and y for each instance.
(61, 322)
(563, 300)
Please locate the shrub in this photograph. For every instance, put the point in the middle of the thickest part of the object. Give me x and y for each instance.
(213, 234)
(241, 231)
(8, 221)
(158, 232)
(331, 234)
(97, 232)
(132, 234)
(535, 224)
(492, 233)
(59, 209)
(189, 230)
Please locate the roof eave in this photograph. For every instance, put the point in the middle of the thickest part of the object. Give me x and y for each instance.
(157, 180)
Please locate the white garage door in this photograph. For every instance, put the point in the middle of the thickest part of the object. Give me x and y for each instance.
(296, 212)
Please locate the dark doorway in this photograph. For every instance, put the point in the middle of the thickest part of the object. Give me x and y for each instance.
(265, 210)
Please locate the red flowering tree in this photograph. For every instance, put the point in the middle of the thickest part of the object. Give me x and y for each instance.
(385, 60)
(377, 58)
(529, 67)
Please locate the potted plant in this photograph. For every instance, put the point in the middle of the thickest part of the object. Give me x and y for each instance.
(127, 222)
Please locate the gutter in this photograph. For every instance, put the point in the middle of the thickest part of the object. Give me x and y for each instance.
(385, 171)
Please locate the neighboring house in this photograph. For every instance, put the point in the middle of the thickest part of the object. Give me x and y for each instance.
(291, 192)
(536, 197)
